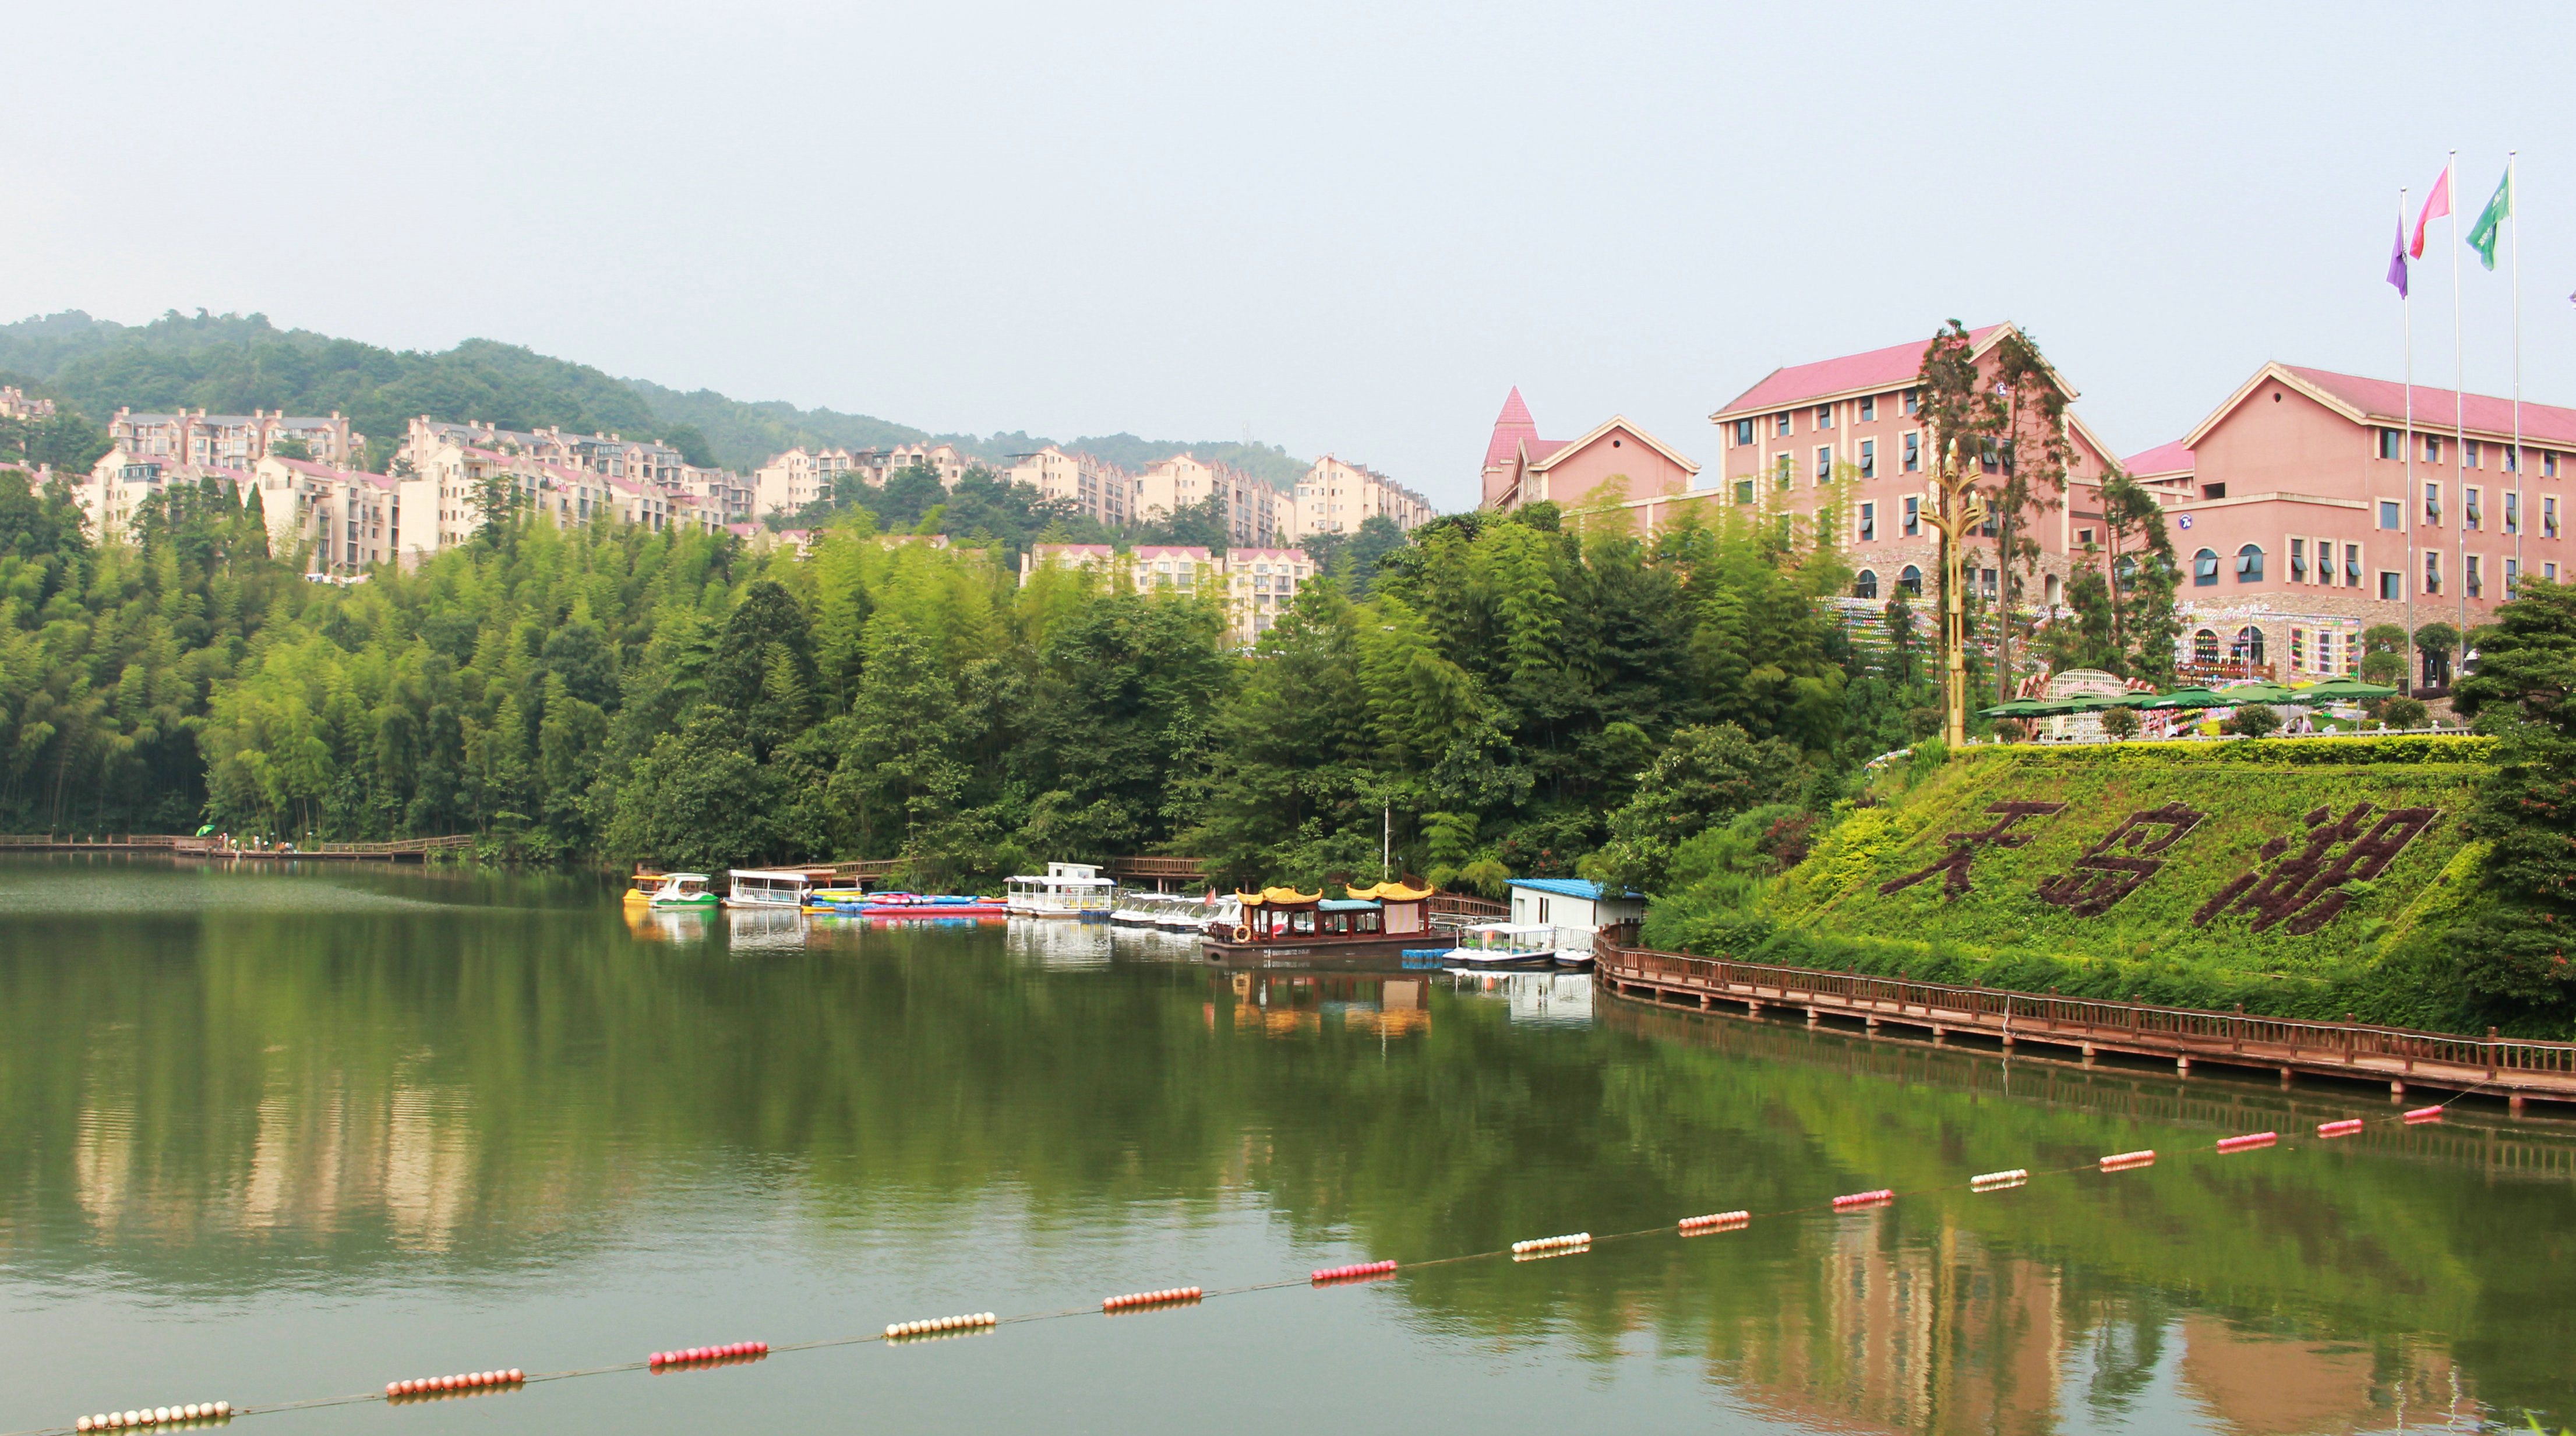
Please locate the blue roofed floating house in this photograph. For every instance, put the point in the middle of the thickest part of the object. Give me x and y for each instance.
(1574, 902)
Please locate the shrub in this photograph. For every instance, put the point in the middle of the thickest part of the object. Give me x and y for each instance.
(2120, 722)
(2403, 712)
(2256, 720)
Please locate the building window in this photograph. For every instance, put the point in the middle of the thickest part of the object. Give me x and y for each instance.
(1784, 471)
(2471, 515)
(1913, 451)
(1868, 407)
(2325, 650)
(2352, 565)
(2513, 513)
(2204, 568)
(1914, 518)
(2549, 464)
(1869, 458)
(2247, 647)
(2204, 648)
(1743, 432)
(1865, 584)
(1989, 459)
(2509, 458)
(1868, 526)
(1780, 425)
(2392, 443)
(1824, 466)
(1824, 417)
(1986, 582)
(1913, 400)
(2392, 586)
(2432, 571)
(2512, 576)
(2432, 448)
(2298, 560)
(2470, 579)
(2433, 505)
(2469, 455)
(1910, 581)
(1744, 491)
(2389, 517)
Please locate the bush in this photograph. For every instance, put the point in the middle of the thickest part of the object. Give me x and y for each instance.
(1923, 723)
(2256, 720)
(2120, 722)
(2403, 712)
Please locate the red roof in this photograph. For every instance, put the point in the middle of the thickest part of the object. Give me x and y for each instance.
(2386, 399)
(1892, 367)
(2162, 459)
(1510, 428)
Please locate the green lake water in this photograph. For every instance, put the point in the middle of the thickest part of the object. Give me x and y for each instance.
(280, 1135)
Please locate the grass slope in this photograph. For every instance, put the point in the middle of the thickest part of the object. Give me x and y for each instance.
(2382, 954)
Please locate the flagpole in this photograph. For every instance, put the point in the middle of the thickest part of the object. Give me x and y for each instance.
(2406, 495)
(2459, 403)
(2514, 227)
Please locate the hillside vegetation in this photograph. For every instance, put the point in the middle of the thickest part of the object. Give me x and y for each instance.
(2313, 877)
(232, 363)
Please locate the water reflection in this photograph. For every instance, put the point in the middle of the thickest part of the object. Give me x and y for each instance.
(254, 1102)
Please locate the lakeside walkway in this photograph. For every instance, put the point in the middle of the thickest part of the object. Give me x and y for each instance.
(401, 850)
(2508, 1067)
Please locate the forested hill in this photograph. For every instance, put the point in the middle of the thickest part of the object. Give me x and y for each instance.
(236, 363)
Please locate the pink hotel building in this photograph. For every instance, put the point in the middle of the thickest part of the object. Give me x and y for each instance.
(2293, 508)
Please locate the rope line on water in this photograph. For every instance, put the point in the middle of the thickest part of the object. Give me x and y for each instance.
(1146, 1302)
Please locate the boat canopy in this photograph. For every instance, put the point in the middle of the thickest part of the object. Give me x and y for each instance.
(1392, 892)
(1280, 897)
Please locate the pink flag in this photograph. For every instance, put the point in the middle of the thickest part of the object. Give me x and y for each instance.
(2436, 205)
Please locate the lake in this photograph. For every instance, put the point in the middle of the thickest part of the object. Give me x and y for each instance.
(278, 1135)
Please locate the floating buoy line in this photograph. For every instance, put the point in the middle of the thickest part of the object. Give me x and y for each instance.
(501, 1381)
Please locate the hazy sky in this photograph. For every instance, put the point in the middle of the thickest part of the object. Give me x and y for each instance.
(1342, 227)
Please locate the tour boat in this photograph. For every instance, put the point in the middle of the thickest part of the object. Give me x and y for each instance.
(1494, 946)
(683, 890)
(641, 887)
(922, 905)
(774, 887)
(1376, 922)
(1075, 890)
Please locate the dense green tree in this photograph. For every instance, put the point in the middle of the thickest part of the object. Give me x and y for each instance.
(2519, 951)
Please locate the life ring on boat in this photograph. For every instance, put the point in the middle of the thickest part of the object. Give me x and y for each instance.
(1242, 933)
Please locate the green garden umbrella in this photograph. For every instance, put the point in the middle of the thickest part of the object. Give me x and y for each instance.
(2097, 702)
(2025, 708)
(2341, 690)
(2186, 698)
(2244, 693)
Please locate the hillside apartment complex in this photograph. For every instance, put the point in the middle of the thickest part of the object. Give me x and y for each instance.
(1256, 583)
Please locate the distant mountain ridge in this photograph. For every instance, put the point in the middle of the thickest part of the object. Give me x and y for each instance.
(232, 363)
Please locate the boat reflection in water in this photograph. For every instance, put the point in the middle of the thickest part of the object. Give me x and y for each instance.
(1286, 1004)
(1545, 999)
(669, 924)
(1050, 943)
(773, 928)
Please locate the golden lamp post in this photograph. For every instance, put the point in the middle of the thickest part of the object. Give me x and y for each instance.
(1956, 511)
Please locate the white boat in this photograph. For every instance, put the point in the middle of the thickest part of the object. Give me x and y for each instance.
(773, 887)
(1066, 890)
(1495, 946)
(1184, 913)
(1137, 909)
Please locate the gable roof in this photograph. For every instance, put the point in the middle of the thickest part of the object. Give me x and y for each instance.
(1893, 367)
(2173, 458)
(1570, 447)
(2377, 401)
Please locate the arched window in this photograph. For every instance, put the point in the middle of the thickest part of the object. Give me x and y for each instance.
(2052, 590)
(1865, 584)
(1911, 581)
(2204, 568)
(2249, 564)
(2248, 647)
(2204, 647)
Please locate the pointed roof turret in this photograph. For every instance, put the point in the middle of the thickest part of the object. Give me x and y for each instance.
(1513, 426)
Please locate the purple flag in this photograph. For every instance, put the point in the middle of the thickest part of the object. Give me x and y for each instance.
(2397, 260)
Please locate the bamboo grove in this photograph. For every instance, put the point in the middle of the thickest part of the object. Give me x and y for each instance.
(1489, 697)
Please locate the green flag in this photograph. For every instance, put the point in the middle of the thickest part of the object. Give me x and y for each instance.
(2491, 219)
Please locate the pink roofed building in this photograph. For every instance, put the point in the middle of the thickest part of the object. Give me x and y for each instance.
(2305, 509)
(1850, 426)
(1614, 463)
(1260, 585)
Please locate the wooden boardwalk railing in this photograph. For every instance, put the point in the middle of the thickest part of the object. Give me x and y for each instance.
(1461, 905)
(2508, 1066)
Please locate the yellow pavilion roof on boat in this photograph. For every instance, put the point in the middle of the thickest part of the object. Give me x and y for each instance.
(1280, 897)
(1392, 892)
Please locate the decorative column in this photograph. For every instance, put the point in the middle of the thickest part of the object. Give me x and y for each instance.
(1956, 512)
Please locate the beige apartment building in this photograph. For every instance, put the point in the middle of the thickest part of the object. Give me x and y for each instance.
(790, 481)
(1096, 488)
(1336, 497)
(1257, 584)
(1170, 485)
(231, 441)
